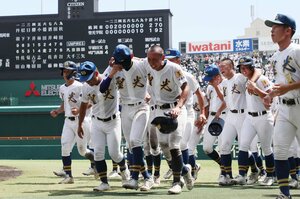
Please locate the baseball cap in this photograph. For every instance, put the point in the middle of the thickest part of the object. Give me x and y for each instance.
(215, 128)
(282, 19)
(245, 60)
(166, 124)
(86, 71)
(122, 55)
(172, 53)
(210, 71)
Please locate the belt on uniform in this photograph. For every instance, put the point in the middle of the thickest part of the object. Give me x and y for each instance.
(134, 104)
(237, 111)
(214, 113)
(256, 114)
(289, 102)
(71, 118)
(106, 119)
(166, 106)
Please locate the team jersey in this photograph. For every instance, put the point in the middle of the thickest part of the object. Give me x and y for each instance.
(286, 68)
(254, 102)
(132, 84)
(235, 92)
(193, 86)
(70, 95)
(169, 79)
(213, 98)
(105, 104)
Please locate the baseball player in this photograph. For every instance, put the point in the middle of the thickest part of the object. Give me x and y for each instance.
(70, 96)
(236, 103)
(259, 121)
(131, 79)
(170, 91)
(285, 64)
(106, 122)
(174, 55)
(217, 109)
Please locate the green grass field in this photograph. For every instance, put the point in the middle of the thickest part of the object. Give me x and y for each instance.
(38, 181)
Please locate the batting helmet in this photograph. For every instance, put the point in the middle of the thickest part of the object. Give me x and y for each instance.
(166, 124)
(86, 71)
(215, 128)
(246, 61)
(122, 56)
(69, 65)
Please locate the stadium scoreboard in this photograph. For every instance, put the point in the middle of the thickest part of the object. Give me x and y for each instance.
(33, 47)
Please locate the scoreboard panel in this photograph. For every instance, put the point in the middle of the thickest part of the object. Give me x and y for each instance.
(33, 47)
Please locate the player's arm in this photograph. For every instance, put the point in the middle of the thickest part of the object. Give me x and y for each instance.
(200, 98)
(252, 86)
(281, 89)
(181, 100)
(56, 112)
(82, 113)
(104, 85)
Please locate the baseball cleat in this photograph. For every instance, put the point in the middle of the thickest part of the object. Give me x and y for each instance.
(267, 181)
(175, 189)
(156, 180)
(131, 184)
(168, 174)
(253, 178)
(188, 178)
(282, 196)
(125, 175)
(67, 180)
(89, 172)
(196, 170)
(293, 184)
(225, 180)
(240, 180)
(148, 184)
(61, 173)
(114, 175)
(102, 187)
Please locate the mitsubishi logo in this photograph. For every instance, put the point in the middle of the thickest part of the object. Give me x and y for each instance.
(32, 90)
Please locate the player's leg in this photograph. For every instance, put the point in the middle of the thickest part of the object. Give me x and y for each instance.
(113, 137)
(67, 143)
(293, 184)
(284, 134)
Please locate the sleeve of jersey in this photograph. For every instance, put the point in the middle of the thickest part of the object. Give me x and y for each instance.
(264, 83)
(61, 93)
(84, 95)
(179, 76)
(297, 57)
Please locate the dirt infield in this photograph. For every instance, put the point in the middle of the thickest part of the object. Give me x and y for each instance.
(9, 172)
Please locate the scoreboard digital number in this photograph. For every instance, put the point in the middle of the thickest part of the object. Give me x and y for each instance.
(34, 48)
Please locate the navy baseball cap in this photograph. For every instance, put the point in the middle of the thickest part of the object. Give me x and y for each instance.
(245, 60)
(172, 53)
(281, 19)
(86, 71)
(211, 71)
(215, 128)
(122, 55)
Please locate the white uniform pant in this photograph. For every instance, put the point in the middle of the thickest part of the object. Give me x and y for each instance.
(107, 133)
(189, 128)
(69, 137)
(262, 126)
(287, 127)
(134, 124)
(232, 128)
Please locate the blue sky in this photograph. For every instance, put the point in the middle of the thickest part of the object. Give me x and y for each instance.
(193, 20)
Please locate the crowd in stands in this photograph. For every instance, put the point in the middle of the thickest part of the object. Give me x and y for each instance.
(195, 63)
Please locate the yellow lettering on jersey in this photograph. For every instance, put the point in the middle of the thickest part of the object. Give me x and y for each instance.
(92, 98)
(137, 82)
(150, 78)
(120, 82)
(289, 78)
(165, 85)
(71, 98)
(108, 95)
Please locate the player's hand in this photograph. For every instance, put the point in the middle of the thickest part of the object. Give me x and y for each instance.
(214, 82)
(201, 121)
(111, 61)
(147, 98)
(267, 101)
(80, 131)
(251, 86)
(75, 111)
(175, 112)
(53, 113)
(280, 89)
